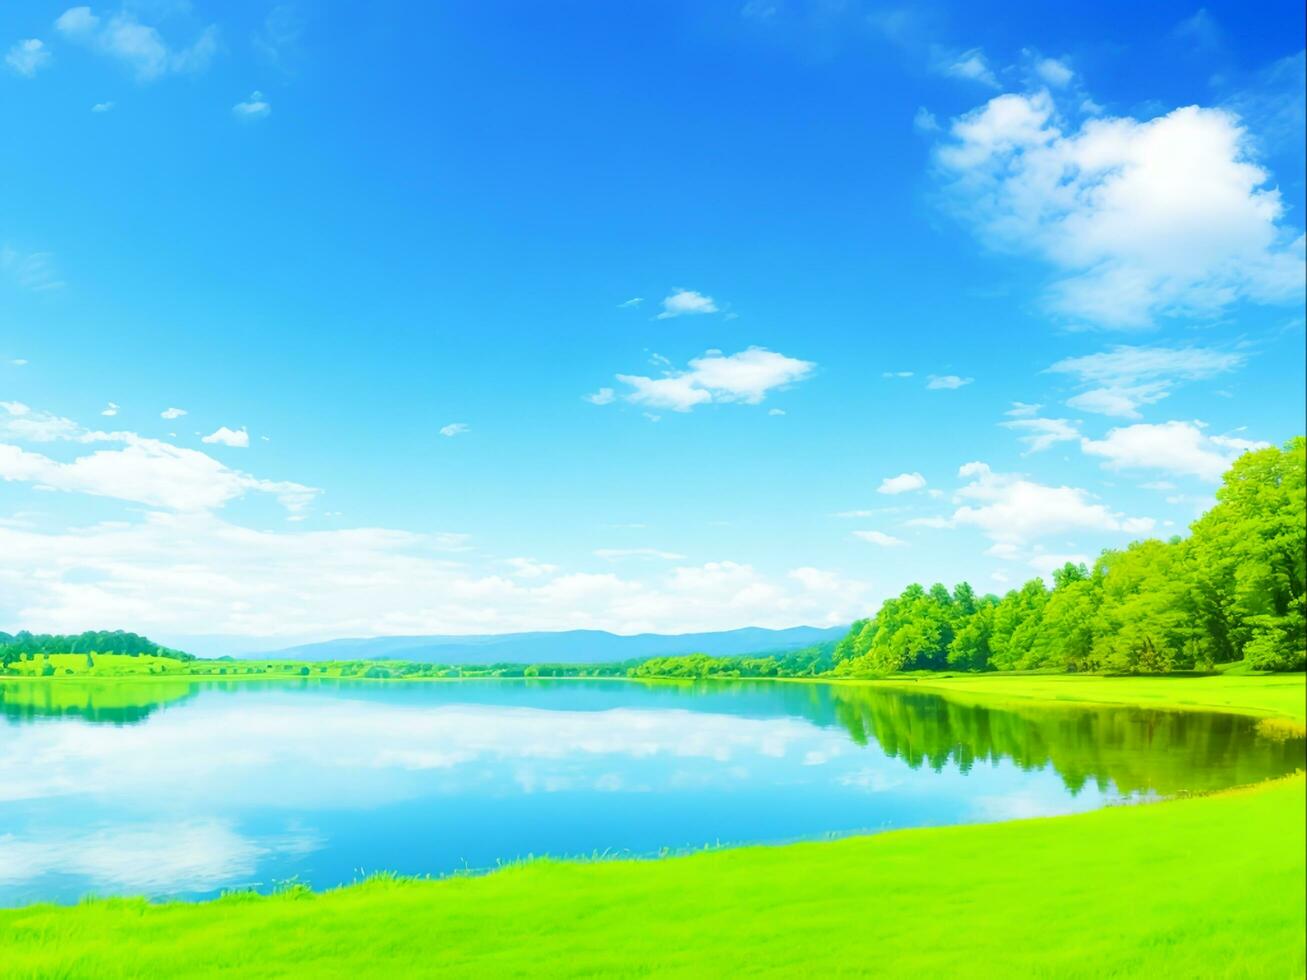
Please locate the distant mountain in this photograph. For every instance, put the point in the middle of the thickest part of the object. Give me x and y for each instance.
(572, 646)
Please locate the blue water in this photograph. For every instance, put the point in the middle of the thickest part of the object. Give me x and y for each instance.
(214, 787)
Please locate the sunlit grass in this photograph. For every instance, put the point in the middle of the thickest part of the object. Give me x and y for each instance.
(1202, 887)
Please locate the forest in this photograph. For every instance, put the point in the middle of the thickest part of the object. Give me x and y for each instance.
(25, 645)
(1232, 590)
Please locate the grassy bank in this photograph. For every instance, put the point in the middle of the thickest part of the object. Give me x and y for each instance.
(1268, 695)
(1198, 887)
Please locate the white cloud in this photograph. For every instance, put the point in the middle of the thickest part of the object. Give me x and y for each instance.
(880, 538)
(924, 121)
(1121, 403)
(172, 413)
(1122, 379)
(969, 65)
(102, 107)
(19, 362)
(633, 301)
(529, 568)
(28, 57)
(110, 410)
(715, 377)
(896, 374)
(1163, 217)
(1011, 510)
(601, 397)
(1181, 448)
(453, 429)
(30, 270)
(223, 436)
(255, 107)
(686, 301)
(1041, 434)
(235, 580)
(18, 421)
(147, 471)
(901, 483)
(947, 382)
(1054, 72)
(776, 411)
(139, 46)
(1021, 410)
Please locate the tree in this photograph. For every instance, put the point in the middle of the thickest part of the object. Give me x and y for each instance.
(1251, 558)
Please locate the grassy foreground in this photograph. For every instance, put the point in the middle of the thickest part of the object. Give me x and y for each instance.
(1211, 886)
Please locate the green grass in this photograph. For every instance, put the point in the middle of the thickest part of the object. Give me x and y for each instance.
(1210, 886)
(1283, 695)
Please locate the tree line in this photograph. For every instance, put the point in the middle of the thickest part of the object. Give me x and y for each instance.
(23, 644)
(1233, 590)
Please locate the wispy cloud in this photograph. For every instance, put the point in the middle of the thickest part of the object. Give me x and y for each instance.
(27, 57)
(1121, 380)
(139, 46)
(1041, 434)
(255, 107)
(947, 382)
(880, 539)
(618, 554)
(30, 270)
(454, 429)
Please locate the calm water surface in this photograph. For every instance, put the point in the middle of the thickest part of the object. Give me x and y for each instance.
(184, 788)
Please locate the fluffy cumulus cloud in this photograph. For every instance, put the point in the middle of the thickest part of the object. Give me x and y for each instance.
(683, 302)
(139, 46)
(131, 467)
(236, 580)
(1180, 448)
(223, 436)
(716, 377)
(1121, 380)
(1013, 511)
(901, 483)
(182, 567)
(1140, 219)
(27, 57)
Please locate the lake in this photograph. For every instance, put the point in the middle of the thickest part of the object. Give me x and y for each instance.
(177, 788)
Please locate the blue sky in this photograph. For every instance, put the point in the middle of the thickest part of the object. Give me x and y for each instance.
(491, 316)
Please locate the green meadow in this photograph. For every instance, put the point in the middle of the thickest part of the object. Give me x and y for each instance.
(1204, 886)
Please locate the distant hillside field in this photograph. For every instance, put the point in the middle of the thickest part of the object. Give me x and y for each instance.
(569, 647)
